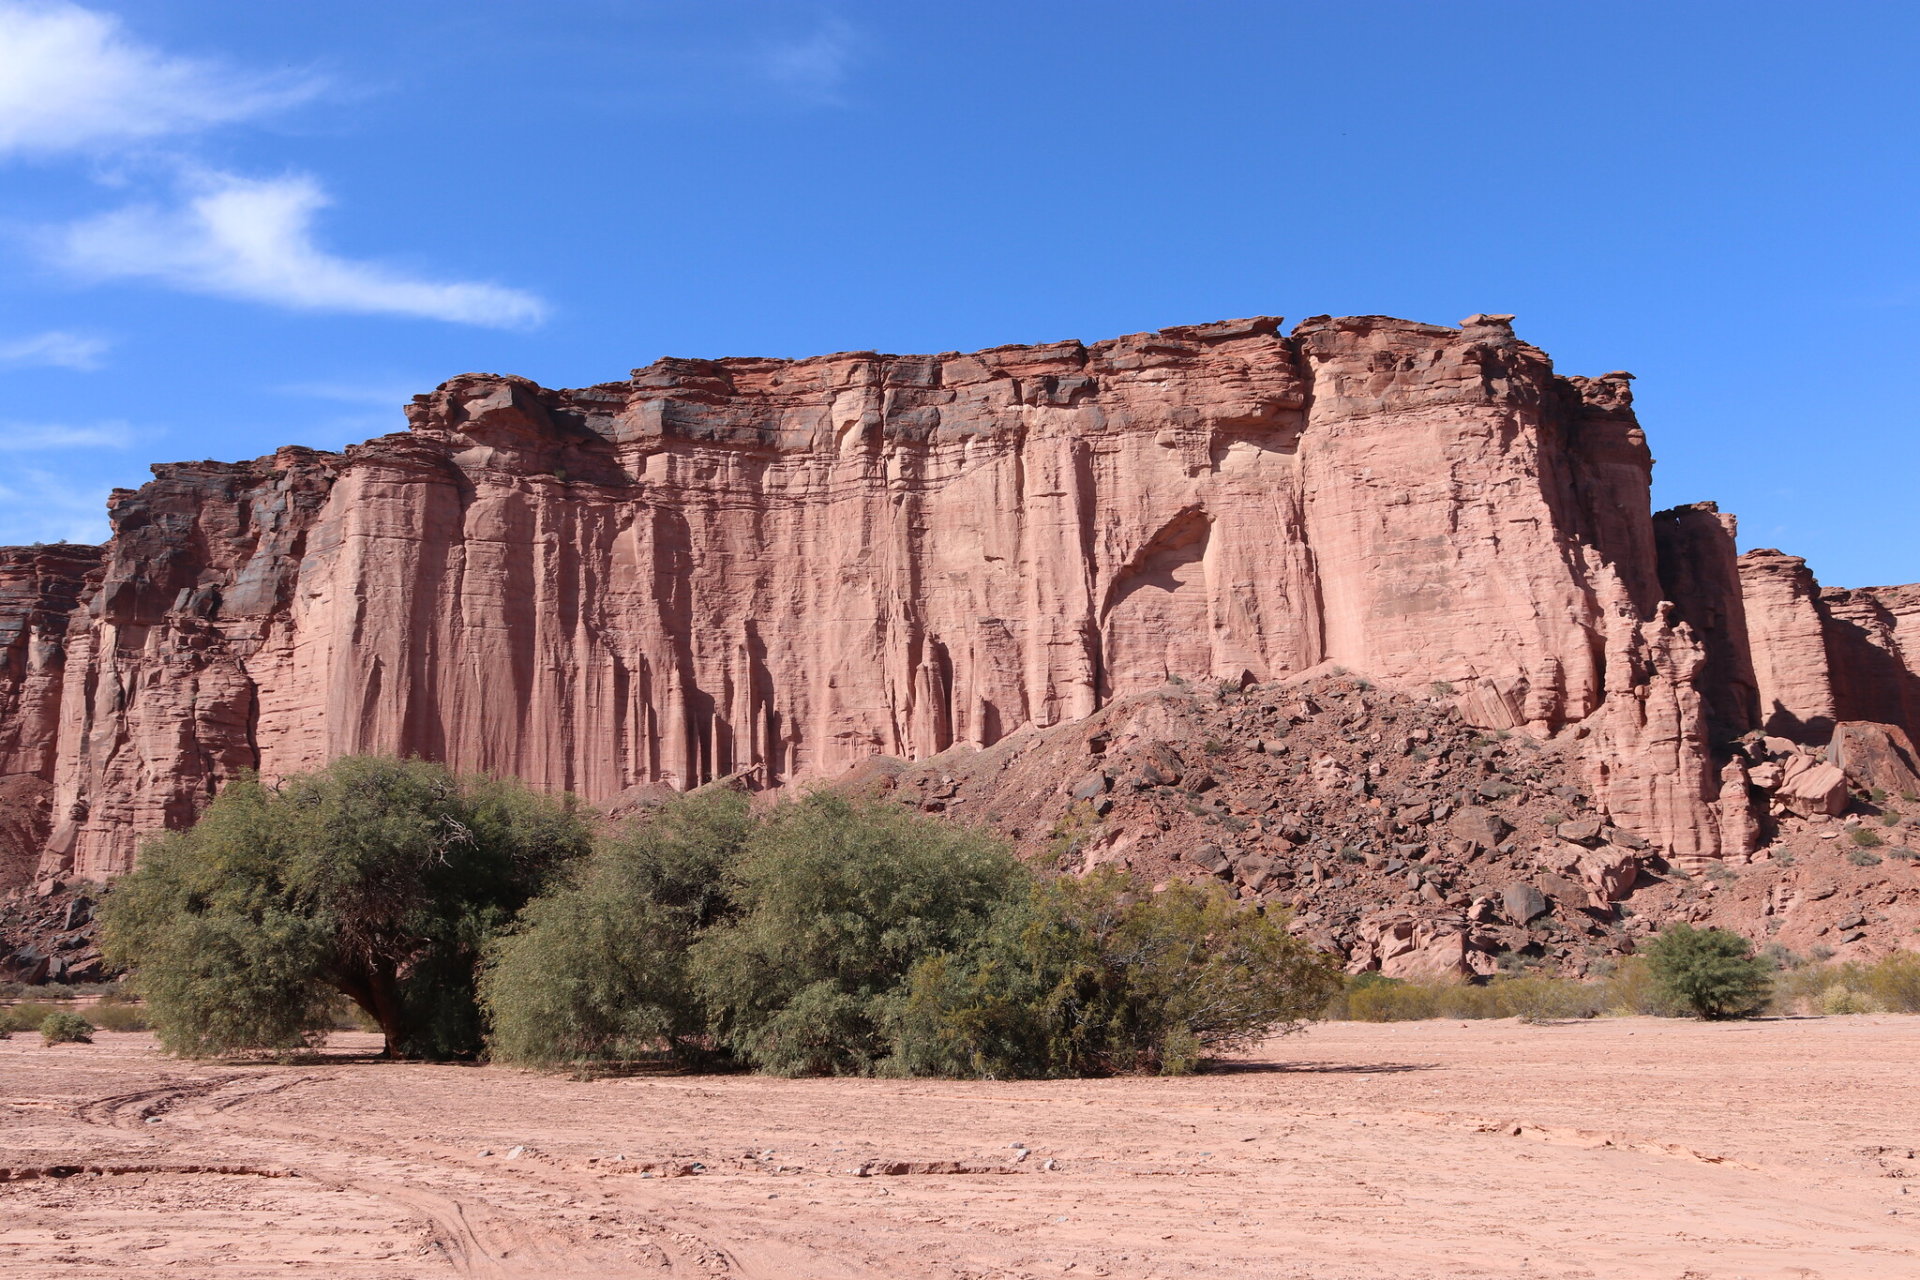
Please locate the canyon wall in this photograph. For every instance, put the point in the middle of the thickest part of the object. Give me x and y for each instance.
(787, 567)
(40, 587)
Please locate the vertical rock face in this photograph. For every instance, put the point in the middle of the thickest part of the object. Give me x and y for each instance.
(1873, 649)
(1787, 631)
(39, 589)
(788, 567)
(1466, 477)
(1700, 573)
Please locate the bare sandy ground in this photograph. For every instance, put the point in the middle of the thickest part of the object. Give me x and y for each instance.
(1612, 1148)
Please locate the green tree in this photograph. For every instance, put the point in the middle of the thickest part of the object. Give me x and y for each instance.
(1713, 972)
(596, 970)
(1094, 977)
(835, 901)
(378, 879)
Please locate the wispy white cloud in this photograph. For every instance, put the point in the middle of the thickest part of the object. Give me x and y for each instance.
(72, 79)
(26, 437)
(40, 506)
(252, 239)
(814, 65)
(379, 395)
(56, 348)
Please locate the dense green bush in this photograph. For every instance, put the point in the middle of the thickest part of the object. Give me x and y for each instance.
(65, 1028)
(834, 903)
(1713, 972)
(377, 879)
(1094, 977)
(827, 936)
(597, 969)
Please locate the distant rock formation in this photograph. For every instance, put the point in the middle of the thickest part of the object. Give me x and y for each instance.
(789, 567)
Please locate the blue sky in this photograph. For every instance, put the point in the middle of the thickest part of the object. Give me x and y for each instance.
(230, 225)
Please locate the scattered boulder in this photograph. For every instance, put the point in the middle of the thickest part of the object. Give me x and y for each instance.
(1815, 791)
(1091, 787)
(1580, 830)
(1405, 945)
(1213, 859)
(1876, 755)
(1523, 902)
(1481, 825)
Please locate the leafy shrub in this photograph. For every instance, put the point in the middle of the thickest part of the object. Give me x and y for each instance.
(1093, 977)
(65, 1028)
(1895, 982)
(1537, 999)
(1526, 996)
(833, 937)
(380, 880)
(1891, 984)
(1713, 972)
(1393, 1001)
(835, 902)
(27, 1015)
(1631, 989)
(1865, 838)
(596, 970)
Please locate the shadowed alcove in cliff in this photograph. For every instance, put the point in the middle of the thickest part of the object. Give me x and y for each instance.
(1156, 617)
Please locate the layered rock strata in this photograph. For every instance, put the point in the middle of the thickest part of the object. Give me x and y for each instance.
(40, 589)
(788, 567)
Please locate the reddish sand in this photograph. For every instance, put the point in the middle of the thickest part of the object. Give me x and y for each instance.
(1613, 1148)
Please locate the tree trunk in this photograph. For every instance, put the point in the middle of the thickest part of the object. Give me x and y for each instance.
(378, 995)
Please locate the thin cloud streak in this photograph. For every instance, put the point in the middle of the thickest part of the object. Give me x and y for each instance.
(72, 79)
(56, 348)
(21, 437)
(252, 239)
(377, 395)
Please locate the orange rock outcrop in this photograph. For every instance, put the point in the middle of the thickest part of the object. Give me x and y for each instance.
(788, 567)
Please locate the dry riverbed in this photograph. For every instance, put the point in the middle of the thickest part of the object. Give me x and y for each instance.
(1613, 1148)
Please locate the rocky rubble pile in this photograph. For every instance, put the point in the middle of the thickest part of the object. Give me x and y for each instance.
(1399, 835)
(48, 937)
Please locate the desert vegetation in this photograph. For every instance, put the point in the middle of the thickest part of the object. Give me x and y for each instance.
(465, 917)
(378, 880)
(821, 936)
(833, 937)
(1731, 979)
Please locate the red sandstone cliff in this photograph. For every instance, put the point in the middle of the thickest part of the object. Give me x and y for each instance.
(40, 587)
(792, 566)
